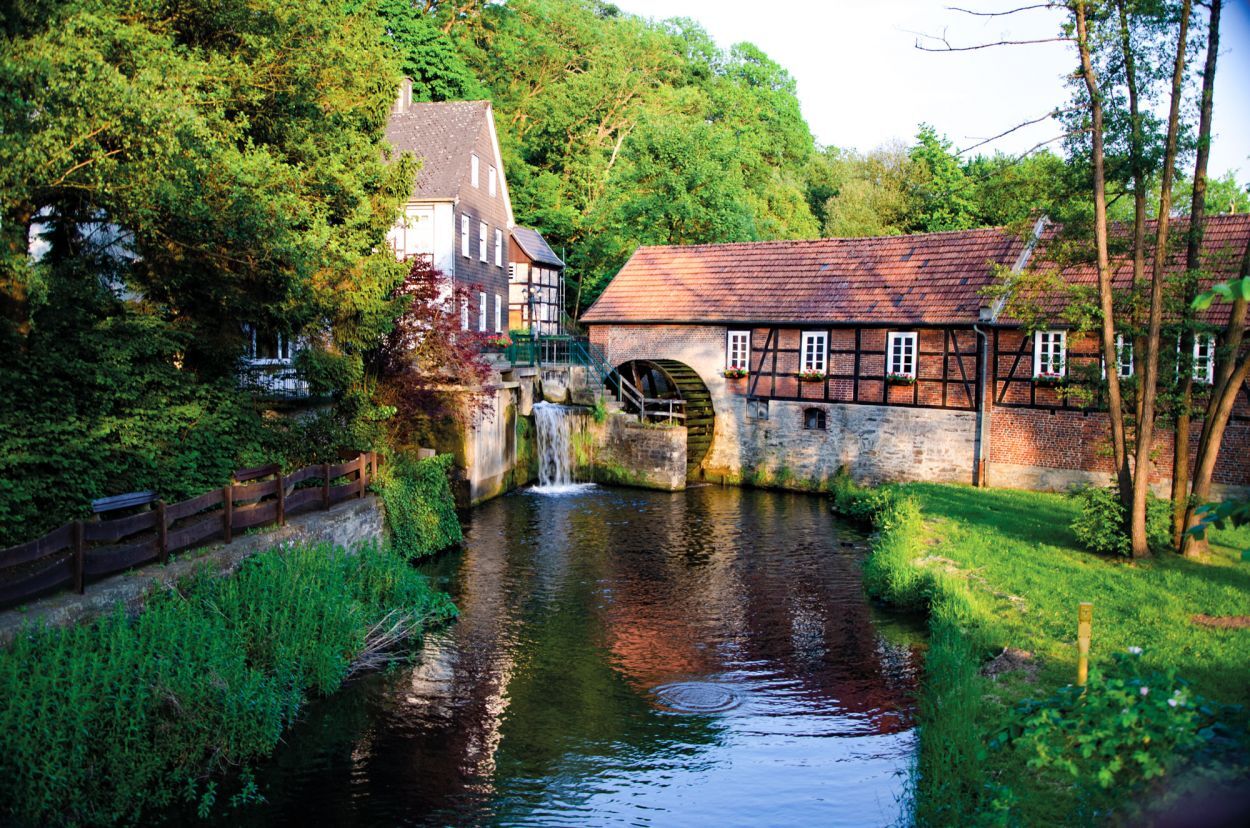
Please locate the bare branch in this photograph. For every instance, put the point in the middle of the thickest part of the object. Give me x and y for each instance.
(1002, 13)
(947, 47)
(1004, 133)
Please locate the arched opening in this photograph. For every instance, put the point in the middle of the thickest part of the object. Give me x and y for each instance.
(671, 390)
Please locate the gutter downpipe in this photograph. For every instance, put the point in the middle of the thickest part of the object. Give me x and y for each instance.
(989, 317)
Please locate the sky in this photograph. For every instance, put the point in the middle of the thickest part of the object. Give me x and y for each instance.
(862, 81)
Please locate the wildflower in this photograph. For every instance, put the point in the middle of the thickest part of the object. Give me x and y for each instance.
(1172, 702)
(1145, 691)
(1135, 650)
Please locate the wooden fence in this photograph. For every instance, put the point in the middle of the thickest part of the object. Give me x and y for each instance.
(82, 551)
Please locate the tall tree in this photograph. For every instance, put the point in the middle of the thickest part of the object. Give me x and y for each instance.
(1189, 286)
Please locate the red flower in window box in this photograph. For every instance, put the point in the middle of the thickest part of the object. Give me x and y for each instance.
(735, 373)
(900, 379)
(1048, 379)
(811, 376)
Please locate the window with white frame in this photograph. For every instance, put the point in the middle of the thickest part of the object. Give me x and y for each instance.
(815, 346)
(738, 350)
(1123, 357)
(481, 312)
(464, 235)
(482, 233)
(490, 180)
(1204, 358)
(498, 247)
(474, 178)
(464, 314)
(498, 313)
(901, 354)
(1050, 353)
(266, 348)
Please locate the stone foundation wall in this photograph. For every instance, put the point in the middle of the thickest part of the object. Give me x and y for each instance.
(637, 454)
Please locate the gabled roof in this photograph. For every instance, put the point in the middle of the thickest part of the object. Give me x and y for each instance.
(442, 135)
(924, 279)
(535, 246)
(934, 278)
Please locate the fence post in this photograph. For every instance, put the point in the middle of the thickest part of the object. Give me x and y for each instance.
(360, 475)
(325, 485)
(1084, 621)
(80, 554)
(162, 531)
(227, 511)
(281, 499)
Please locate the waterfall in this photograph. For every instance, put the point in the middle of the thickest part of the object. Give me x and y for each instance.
(554, 426)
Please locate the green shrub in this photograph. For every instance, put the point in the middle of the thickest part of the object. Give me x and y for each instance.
(1125, 728)
(420, 508)
(107, 722)
(1100, 525)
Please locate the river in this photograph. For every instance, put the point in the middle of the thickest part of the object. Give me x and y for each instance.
(626, 657)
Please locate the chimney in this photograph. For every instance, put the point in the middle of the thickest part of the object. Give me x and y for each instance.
(403, 98)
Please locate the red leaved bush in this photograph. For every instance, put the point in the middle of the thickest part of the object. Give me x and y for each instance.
(428, 366)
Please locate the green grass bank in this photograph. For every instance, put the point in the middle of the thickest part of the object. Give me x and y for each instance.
(114, 721)
(1001, 568)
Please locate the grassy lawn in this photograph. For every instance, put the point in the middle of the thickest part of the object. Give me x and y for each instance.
(1018, 544)
(1002, 568)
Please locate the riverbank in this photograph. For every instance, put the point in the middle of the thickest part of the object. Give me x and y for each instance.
(169, 707)
(1001, 569)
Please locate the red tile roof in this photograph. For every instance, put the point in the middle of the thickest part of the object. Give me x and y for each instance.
(932, 278)
(1224, 242)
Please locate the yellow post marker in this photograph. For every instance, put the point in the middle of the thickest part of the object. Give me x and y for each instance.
(1084, 621)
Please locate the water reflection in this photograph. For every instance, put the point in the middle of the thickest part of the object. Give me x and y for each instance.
(551, 700)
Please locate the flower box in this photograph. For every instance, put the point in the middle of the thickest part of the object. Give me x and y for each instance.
(900, 379)
(499, 342)
(811, 376)
(735, 373)
(1048, 379)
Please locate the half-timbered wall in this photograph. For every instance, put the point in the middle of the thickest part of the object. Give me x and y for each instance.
(947, 368)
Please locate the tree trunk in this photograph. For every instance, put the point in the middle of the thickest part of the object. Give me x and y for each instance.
(1105, 297)
(1231, 369)
(1150, 377)
(1137, 161)
(1193, 262)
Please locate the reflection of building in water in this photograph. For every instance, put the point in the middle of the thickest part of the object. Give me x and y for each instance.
(717, 603)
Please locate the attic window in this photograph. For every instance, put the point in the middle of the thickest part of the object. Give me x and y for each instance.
(474, 171)
(490, 180)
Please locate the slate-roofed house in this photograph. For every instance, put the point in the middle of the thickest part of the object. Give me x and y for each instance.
(884, 355)
(459, 213)
(535, 284)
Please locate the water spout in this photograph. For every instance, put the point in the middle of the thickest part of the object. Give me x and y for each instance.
(554, 425)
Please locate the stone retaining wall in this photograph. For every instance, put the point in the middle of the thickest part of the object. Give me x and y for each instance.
(345, 524)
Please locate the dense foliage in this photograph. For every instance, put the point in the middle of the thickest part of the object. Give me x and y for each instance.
(111, 721)
(168, 174)
(1100, 526)
(420, 509)
(1126, 727)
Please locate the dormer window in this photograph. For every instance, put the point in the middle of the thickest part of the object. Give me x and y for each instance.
(474, 172)
(490, 181)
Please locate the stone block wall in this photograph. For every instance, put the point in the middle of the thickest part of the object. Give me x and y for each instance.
(638, 454)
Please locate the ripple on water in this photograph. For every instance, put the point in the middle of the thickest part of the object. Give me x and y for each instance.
(695, 697)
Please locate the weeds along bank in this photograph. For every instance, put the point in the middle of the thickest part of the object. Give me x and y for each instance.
(113, 721)
(1020, 745)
